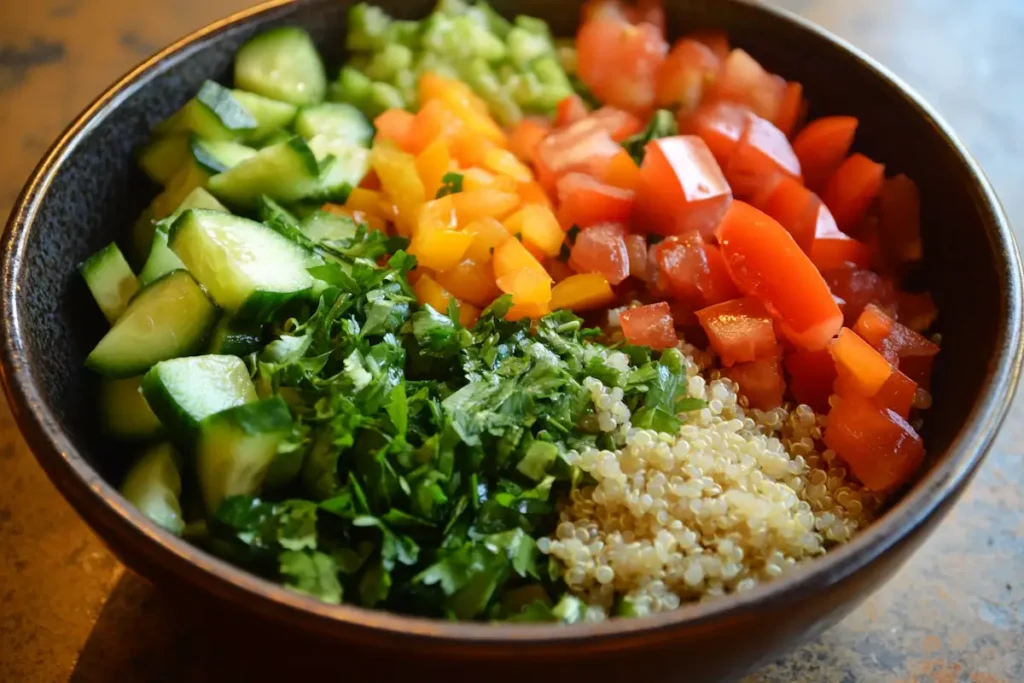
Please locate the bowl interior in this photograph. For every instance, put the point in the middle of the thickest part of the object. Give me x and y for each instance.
(97, 191)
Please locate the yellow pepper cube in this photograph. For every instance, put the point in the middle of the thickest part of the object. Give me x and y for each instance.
(432, 164)
(428, 291)
(504, 162)
(400, 181)
(582, 292)
(437, 214)
(487, 234)
(472, 206)
(471, 281)
(539, 228)
(511, 256)
(533, 311)
(526, 286)
(439, 249)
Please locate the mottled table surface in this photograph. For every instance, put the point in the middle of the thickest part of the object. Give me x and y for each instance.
(69, 611)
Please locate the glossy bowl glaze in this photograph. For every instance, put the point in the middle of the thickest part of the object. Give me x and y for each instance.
(87, 191)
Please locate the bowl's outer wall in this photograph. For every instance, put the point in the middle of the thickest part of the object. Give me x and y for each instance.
(98, 191)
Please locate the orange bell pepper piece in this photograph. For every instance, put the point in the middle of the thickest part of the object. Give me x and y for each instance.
(511, 256)
(471, 281)
(395, 125)
(432, 164)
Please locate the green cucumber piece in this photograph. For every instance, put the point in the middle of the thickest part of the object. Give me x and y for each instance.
(111, 281)
(216, 156)
(168, 318)
(249, 269)
(161, 259)
(281, 221)
(271, 115)
(335, 120)
(188, 178)
(236, 447)
(213, 114)
(162, 158)
(124, 413)
(184, 391)
(353, 87)
(344, 164)
(286, 172)
(234, 338)
(282, 64)
(276, 137)
(153, 485)
(323, 226)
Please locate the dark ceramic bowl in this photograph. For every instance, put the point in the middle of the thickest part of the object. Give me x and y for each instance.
(87, 191)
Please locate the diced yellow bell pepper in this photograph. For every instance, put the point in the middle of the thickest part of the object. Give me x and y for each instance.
(533, 311)
(487, 235)
(460, 100)
(433, 85)
(526, 286)
(439, 249)
(582, 292)
(432, 163)
(539, 228)
(474, 179)
(428, 291)
(472, 206)
(533, 193)
(437, 214)
(504, 162)
(511, 256)
(471, 281)
(400, 181)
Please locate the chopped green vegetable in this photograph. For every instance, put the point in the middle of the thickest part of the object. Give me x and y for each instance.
(450, 184)
(661, 125)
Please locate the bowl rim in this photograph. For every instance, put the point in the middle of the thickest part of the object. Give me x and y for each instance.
(83, 487)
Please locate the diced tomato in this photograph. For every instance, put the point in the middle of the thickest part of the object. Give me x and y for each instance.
(821, 147)
(899, 216)
(858, 288)
(681, 79)
(651, 12)
(860, 369)
(762, 153)
(761, 381)
(720, 125)
(621, 171)
(911, 352)
(833, 248)
(718, 285)
(718, 41)
(586, 201)
(811, 377)
(650, 325)
(681, 189)
(618, 62)
(683, 266)
(602, 249)
(636, 248)
(526, 135)
(792, 109)
(575, 148)
(916, 311)
(796, 208)
(619, 123)
(897, 394)
(739, 330)
(570, 110)
(764, 261)
(744, 81)
(878, 445)
(610, 10)
(851, 189)
(557, 269)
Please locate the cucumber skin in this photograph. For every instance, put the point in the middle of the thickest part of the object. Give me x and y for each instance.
(229, 339)
(119, 371)
(110, 281)
(250, 54)
(156, 474)
(225, 186)
(209, 162)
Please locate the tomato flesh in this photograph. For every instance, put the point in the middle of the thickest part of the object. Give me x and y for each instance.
(636, 248)
(851, 189)
(811, 376)
(881, 449)
(585, 201)
(682, 266)
(570, 110)
(739, 330)
(681, 188)
(762, 153)
(574, 148)
(602, 249)
(650, 325)
(744, 81)
(764, 261)
(618, 62)
(911, 352)
(761, 381)
(899, 212)
(720, 125)
(821, 147)
(897, 394)
(858, 287)
(718, 285)
(681, 79)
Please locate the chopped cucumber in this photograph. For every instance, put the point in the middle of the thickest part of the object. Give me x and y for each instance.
(388, 63)
(353, 87)
(124, 413)
(335, 120)
(367, 27)
(282, 64)
(216, 156)
(161, 259)
(233, 338)
(198, 198)
(110, 280)
(169, 318)
(184, 391)
(188, 178)
(161, 158)
(153, 485)
(236, 447)
(287, 172)
(271, 115)
(281, 221)
(213, 114)
(276, 137)
(323, 226)
(249, 269)
(344, 165)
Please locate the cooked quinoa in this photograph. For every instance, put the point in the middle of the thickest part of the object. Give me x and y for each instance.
(736, 497)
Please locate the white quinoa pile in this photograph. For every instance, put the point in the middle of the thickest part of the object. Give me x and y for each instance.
(737, 497)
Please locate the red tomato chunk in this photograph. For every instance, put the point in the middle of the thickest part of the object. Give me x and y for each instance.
(682, 78)
(821, 147)
(811, 376)
(878, 445)
(585, 201)
(744, 81)
(650, 325)
(851, 189)
(618, 62)
(761, 381)
(681, 188)
(720, 125)
(602, 249)
(911, 352)
(739, 330)
(762, 152)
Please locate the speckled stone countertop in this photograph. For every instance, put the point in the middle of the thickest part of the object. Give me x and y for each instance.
(69, 610)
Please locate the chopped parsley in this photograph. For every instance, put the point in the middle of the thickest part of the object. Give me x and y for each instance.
(661, 125)
(451, 183)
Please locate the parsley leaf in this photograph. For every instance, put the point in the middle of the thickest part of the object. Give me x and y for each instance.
(451, 183)
(661, 125)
